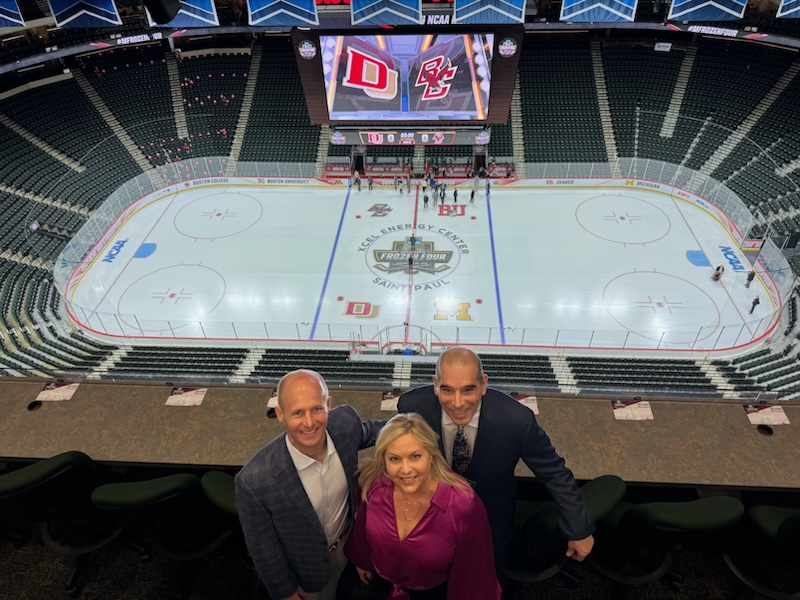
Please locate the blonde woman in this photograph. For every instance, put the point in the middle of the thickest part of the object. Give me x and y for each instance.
(419, 526)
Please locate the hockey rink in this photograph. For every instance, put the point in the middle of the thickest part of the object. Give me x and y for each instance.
(561, 267)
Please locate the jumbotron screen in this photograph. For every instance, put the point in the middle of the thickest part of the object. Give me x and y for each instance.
(407, 77)
(445, 77)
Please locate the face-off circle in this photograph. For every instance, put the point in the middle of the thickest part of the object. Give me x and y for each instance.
(177, 294)
(218, 216)
(435, 256)
(654, 306)
(623, 219)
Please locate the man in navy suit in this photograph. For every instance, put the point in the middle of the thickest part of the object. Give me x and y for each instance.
(499, 431)
(296, 496)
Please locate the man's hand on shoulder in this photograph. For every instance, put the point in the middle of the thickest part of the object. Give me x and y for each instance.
(580, 549)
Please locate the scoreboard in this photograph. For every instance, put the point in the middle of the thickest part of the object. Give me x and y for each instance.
(411, 137)
(430, 79)
(407, 77)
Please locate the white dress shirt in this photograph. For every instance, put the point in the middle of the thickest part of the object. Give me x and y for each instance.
(326, 486)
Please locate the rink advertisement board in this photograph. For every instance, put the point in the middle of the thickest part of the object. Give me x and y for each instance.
(444, 77)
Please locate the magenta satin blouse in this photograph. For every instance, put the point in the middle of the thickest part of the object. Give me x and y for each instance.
(451, 543)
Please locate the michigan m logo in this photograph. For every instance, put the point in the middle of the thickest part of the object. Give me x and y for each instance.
(460, 311)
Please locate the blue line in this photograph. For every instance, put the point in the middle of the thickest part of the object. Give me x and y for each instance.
(330, 264)
(494, 269)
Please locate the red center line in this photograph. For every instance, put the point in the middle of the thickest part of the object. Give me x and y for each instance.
(411, 270)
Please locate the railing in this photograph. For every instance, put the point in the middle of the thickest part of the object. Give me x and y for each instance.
(372, 337)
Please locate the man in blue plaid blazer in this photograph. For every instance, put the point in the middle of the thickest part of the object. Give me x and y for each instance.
(296, 496)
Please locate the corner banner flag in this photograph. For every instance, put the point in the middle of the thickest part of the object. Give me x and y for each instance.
(192, 13)
(789, 9)
(489, 12)
(10, 16)
(85, 13)
(282, 13)
(706, 10)
(598, 11)
(386, 12)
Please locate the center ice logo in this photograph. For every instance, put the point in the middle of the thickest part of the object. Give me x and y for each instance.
(402, 255)
(422, 257)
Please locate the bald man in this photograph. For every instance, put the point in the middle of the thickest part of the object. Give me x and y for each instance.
(483, 434)
(296, 496)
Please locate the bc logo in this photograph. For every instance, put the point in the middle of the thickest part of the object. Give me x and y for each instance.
(434, 74)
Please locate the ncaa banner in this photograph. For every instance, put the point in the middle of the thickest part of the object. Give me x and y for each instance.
(789, 9)
(10, 16)
(598, 11)
(192, 13)
(85, 13)
(386, 12)
(280, 13)
(705, 10)
(486, 12)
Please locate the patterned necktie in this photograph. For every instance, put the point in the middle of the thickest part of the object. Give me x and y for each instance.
(460, 452)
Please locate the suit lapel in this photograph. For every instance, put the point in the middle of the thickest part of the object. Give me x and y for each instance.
(432, 413)
(347, 457)
(486, 432)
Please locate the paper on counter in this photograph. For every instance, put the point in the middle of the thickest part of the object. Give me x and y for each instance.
(186, 396)
(632, 410)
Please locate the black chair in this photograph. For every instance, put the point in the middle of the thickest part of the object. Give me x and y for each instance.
(55, 493)
(166, 516)
(538, 548)
(767, 558)
(220, 489)
(639, 539)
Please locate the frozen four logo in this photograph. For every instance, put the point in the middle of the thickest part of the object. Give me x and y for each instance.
(507, 48)
(307, 49)
(423, 255)
(400, 256)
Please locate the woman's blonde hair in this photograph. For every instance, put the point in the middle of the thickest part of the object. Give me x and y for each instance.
(397, 426)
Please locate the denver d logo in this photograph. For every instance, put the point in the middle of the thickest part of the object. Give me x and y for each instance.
(362, 310)
(370, 74)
